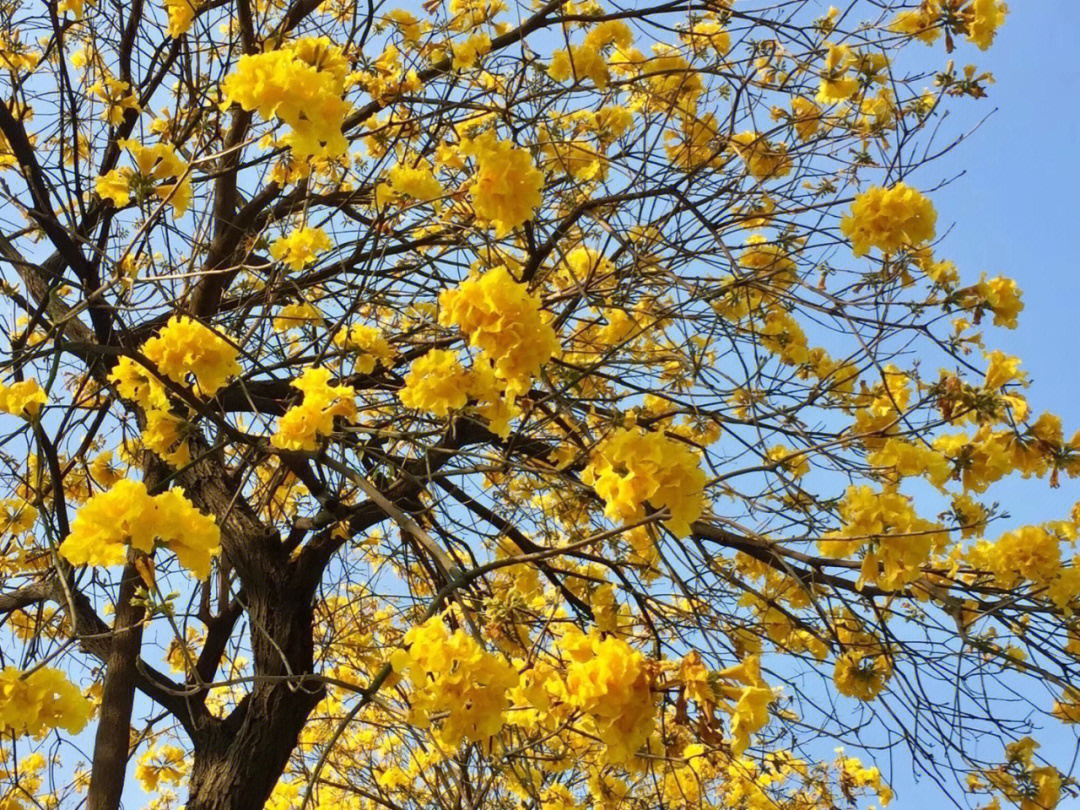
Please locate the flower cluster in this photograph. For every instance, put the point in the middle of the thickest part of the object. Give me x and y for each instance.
(634, 467)
(367, 343)
(158, 170)
(184, 346)
(453, 676)
(586, 61)
(506, 187)
(301, 247)
(43, 700)
(303, 424)
(611, 683)
(764, 159)
(861, 674)
(896, 540)
(504, 321)
(301, 83)
(22, 398)
(436, 383)
(889, 219)
(127, 515)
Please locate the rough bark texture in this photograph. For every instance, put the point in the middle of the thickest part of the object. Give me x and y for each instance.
(112, 740)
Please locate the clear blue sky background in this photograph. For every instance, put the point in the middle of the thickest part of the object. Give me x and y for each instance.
(1015, 212)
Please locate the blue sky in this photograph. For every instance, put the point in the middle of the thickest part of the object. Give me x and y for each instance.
(1014, 212)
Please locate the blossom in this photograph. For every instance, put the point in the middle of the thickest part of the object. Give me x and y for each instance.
(984, 19)
(505, 190)
(301, 247)
(452, 675)
(181, 13)
(1001, 296)
(367, 343)
(889, 219)
(22, 398)
(633, 467)
(503, 319)
(861, 675)
(436, 383)
(184, 346)
(416, 181)
(836, 84)
(301, 83)
(764, 159)
(611, 682)
(126, 515)
(303, 424)
(158, 167)
(39, 701)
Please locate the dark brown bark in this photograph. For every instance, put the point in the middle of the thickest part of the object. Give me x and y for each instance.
(112, 740)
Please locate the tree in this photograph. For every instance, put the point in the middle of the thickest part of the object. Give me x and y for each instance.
(540, 405)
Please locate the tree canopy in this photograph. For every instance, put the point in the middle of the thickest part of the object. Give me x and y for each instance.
(525, 405)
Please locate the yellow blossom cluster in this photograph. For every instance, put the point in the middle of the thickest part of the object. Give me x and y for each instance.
(586, 61)
(764, 159)
(161, 764)
(181, 14)
(22, 398)
(506, 188)
(502, 319)
(611, 683)
(158, 170)
(455, 678)
(896, 540)
(1023, 783)
(42, 700)
(303, 424)
(186, 347)
(300, 247)
(302, 84)
(889, 219)
(1028, 554)
(634, 467)
(861, 675)
(367, 343)
(127, 515)
(436, 383)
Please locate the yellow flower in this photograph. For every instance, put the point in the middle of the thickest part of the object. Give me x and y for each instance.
(127, 515)
(417, 182)
(115, 186)
(1002, 297)
(436, 383)
(165, 764)
(368, 343)
(453, 676)
(634, 467)
(504, 321)
(836, 85)
(861, 675)
(889, 219)
(505, 190)
(764, 160)
(22, 398)
(43, 700)
(165, 435)
(302, 84)
(184, 346)
(612, 683)
(303, 424)
(984, 19)
(135, 382)
(181, 13)
(301, 247)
